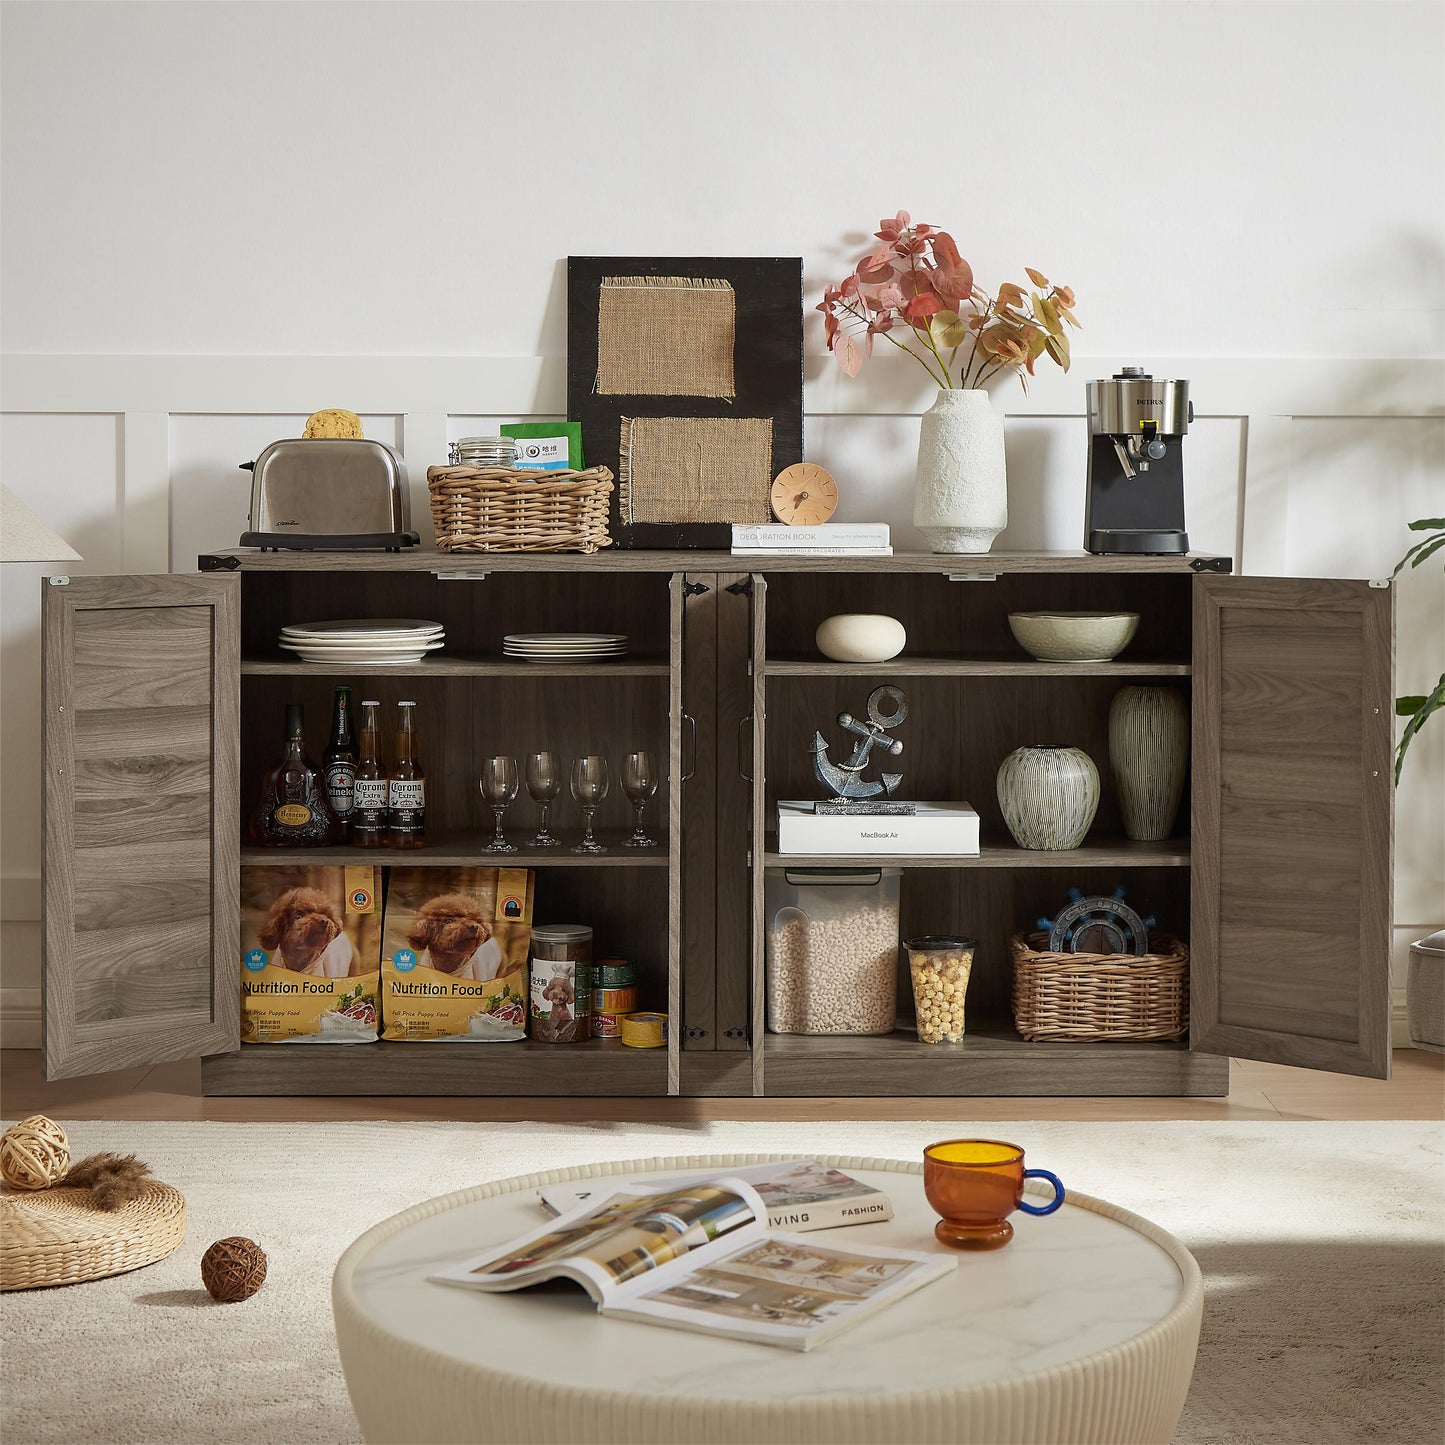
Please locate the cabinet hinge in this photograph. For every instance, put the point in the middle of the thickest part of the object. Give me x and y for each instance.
(207, 562)
(743, 587)
(735, 1033)
(697, 1033)
(694, 589)
(1212, 564)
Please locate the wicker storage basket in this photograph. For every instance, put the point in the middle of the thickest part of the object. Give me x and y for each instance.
(1083, 997)
(499, 509)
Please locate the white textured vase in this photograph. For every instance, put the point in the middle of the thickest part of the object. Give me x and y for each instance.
(1149, 753)
(961, 498)
(1048, 796)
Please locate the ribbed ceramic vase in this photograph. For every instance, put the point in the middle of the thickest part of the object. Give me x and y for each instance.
(961, 497)
(1049, 796)
(1149, 755)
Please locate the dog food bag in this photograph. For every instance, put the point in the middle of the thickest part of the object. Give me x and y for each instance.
(454, 954)
(562, 983)
(310, 954)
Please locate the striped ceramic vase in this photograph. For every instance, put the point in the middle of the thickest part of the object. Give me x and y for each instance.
(1048, 796)
(1149, 754)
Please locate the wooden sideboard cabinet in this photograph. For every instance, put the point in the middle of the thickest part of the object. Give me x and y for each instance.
(164, 697)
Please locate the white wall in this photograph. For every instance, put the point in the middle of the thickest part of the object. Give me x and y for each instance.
(1220, 183)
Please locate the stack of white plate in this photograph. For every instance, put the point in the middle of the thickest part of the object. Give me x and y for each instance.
(363, 641)
(564, 646)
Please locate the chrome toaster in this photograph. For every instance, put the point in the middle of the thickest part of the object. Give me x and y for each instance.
(329, 492)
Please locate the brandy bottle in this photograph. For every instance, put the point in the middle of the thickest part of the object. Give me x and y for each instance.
(293, 810)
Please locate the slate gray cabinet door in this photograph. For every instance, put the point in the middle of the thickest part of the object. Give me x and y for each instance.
(1292, 822)
(141, 856)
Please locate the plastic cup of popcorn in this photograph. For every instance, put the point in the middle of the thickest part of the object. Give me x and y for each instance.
(940, 967)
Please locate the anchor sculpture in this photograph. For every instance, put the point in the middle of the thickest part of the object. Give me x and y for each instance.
(851, 793)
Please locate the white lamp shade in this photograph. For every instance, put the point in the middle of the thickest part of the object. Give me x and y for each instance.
(25, 538)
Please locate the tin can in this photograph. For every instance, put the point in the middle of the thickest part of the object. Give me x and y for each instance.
(644, 1031)
(561, 983)
(607, 1026)
(614, 1000)
(615, 973)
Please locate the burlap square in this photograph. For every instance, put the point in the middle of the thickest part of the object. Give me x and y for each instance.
(695, 469)
(665, 336)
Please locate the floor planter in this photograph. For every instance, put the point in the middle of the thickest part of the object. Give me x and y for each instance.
(1425, 993)
(961, 498)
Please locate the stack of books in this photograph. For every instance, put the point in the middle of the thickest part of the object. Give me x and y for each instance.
(832, 539)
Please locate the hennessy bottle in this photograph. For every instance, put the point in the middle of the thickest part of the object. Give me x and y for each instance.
(369, 790)
(406, 785)
(340, 762)
(293, 810)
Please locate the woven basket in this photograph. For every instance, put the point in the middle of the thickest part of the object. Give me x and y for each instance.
(1084, 997)
(57, 1236)
(499, 509)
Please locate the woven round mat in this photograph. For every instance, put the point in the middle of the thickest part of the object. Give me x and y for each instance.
(57, 1236)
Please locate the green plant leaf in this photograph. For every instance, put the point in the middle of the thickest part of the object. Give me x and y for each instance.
(1429, 549)
(1425, 524)
(1417, 548)
(1428, 705)
(947, 330)
(1046, 316)
(1409, 706)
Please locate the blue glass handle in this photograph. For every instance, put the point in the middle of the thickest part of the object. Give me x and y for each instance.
(1054, 1203)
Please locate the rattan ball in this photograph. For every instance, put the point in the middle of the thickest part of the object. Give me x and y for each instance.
(34, 1154)
(233, 1269)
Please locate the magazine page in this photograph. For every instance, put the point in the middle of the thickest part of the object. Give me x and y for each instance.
(781, 1289)
(605, 1244)
(799, 1194)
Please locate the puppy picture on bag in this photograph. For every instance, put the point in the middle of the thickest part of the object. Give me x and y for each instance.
(454, 954)
(310, 954)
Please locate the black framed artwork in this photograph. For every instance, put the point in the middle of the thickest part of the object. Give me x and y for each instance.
(686, 374)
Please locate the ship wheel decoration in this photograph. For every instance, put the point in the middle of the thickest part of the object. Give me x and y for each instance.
(887, 709)
(1098, 925)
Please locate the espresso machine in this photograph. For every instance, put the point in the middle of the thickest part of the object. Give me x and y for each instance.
(1136, 466)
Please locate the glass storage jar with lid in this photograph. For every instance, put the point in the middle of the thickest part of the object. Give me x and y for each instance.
(485, 452)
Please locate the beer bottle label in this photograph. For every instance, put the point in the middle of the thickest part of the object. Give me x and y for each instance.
(368, 801)
(340, 787)
(407, 802)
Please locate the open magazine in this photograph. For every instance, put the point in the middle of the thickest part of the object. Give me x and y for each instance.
(799, 1194)
(702, 1257)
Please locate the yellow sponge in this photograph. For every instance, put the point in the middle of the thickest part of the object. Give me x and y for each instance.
(333, 422)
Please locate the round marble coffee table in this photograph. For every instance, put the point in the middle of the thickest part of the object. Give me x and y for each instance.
(1083, 1329)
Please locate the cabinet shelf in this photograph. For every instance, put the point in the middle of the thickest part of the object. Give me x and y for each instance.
(454, 665)
(468, 849)
(1106, 853)
(970, 667)
(598, 1067)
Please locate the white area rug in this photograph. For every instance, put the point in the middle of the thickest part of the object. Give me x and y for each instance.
(1322, 1246)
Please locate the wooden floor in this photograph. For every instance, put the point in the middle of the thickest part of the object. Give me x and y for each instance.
(1257, 1091)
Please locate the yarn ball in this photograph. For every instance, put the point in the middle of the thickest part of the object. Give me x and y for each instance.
(233, 1269)
(34, 1153)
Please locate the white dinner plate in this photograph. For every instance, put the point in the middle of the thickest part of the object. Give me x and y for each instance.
(563, 639)
(384, 626)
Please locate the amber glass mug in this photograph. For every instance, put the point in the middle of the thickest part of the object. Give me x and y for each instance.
(974, 1185)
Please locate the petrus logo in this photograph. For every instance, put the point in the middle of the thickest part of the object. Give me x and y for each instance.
(255, 959)
(403, 960)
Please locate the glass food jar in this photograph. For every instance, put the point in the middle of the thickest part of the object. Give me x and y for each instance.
(940, 968)
(485, 452)
(561, 983)
(832, 950)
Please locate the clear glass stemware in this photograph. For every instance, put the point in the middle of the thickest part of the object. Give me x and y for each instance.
(500, 780)
(639, 782)
(589, 787)
(544, 782)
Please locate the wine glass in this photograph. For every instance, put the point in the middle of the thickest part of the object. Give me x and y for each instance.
(589, 787)
(639, 782)
(500, 780)
(543, 783)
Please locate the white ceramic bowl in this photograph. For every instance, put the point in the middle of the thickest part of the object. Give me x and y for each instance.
(1074, 636)
(860, 637)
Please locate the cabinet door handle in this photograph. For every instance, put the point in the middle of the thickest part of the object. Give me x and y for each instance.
(691, 768)
(745, 722)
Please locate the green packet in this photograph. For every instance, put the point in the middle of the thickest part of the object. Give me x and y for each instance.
(547, 446)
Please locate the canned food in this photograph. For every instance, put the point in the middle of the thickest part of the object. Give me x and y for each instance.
(615, 973)
(614, 1000)
(607, 1026)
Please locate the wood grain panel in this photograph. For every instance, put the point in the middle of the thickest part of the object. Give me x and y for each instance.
(118, 822)
(757, 1028)
(113, 777)
(145, 657)
(734, 810)
(140, 729)
(697, 658)
(1292, 822)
